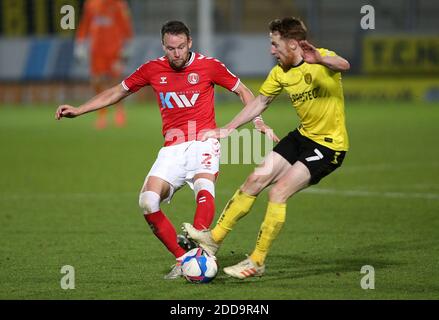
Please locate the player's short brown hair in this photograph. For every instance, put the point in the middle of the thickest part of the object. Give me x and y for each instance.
(175, 27)
(289, 28)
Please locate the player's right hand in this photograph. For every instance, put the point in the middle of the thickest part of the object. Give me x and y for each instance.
(66, 111)
(310, 53)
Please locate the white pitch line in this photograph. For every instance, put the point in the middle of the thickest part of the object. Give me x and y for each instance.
(359, 193)
(386, 166)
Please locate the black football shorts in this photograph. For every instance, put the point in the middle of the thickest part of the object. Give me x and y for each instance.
(320, 160)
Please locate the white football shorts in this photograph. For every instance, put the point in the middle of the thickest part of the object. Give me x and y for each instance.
(178, 164)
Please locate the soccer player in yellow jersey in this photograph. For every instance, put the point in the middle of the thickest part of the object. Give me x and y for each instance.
(312, 79)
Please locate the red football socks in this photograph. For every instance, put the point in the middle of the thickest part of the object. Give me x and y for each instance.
(165, 231)
(205, 210)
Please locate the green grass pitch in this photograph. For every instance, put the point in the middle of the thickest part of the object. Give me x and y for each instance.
(69, 194)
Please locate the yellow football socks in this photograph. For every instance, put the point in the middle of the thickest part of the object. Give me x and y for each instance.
(270, 228)
(236, 208)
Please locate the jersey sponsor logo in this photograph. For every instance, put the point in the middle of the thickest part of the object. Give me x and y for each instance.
(170, 99)
(193, 78)
(305, 96)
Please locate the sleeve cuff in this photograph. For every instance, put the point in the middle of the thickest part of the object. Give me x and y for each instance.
(125, 86)
(236, 85)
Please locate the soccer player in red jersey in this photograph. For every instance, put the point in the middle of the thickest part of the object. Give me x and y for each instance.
(107, 24)
(183, 82)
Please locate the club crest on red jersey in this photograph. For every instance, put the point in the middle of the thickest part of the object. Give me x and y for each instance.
(193, 78)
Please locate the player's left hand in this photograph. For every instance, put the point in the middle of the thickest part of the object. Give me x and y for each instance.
(263, 128)
(310, 53)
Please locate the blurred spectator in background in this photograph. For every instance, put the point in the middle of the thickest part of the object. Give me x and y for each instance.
(107, 25)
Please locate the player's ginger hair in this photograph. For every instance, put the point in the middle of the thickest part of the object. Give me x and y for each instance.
(289, 28)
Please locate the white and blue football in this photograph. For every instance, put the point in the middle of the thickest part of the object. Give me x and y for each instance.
(198, 266)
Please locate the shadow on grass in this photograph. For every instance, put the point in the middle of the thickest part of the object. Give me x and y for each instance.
(296, 266)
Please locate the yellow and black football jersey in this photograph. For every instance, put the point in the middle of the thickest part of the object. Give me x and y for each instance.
(316, 93)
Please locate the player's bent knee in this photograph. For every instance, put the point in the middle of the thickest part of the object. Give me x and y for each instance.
(204, 184)
(149, 202)
(254, 184)
(279, 194)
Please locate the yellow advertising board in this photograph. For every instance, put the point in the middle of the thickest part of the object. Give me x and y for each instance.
(400, 54)
(35, 17)
(380, 88)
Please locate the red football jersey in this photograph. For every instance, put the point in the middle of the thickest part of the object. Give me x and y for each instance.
(185, 97)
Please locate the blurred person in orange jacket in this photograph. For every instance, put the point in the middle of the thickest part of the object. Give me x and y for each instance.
(107, 25)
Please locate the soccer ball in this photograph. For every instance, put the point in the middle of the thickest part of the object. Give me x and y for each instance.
(198, 266)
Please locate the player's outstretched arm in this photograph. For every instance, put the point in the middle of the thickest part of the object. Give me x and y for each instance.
(247, 114)
(102, 100)
(312, 55)
(247, 97)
